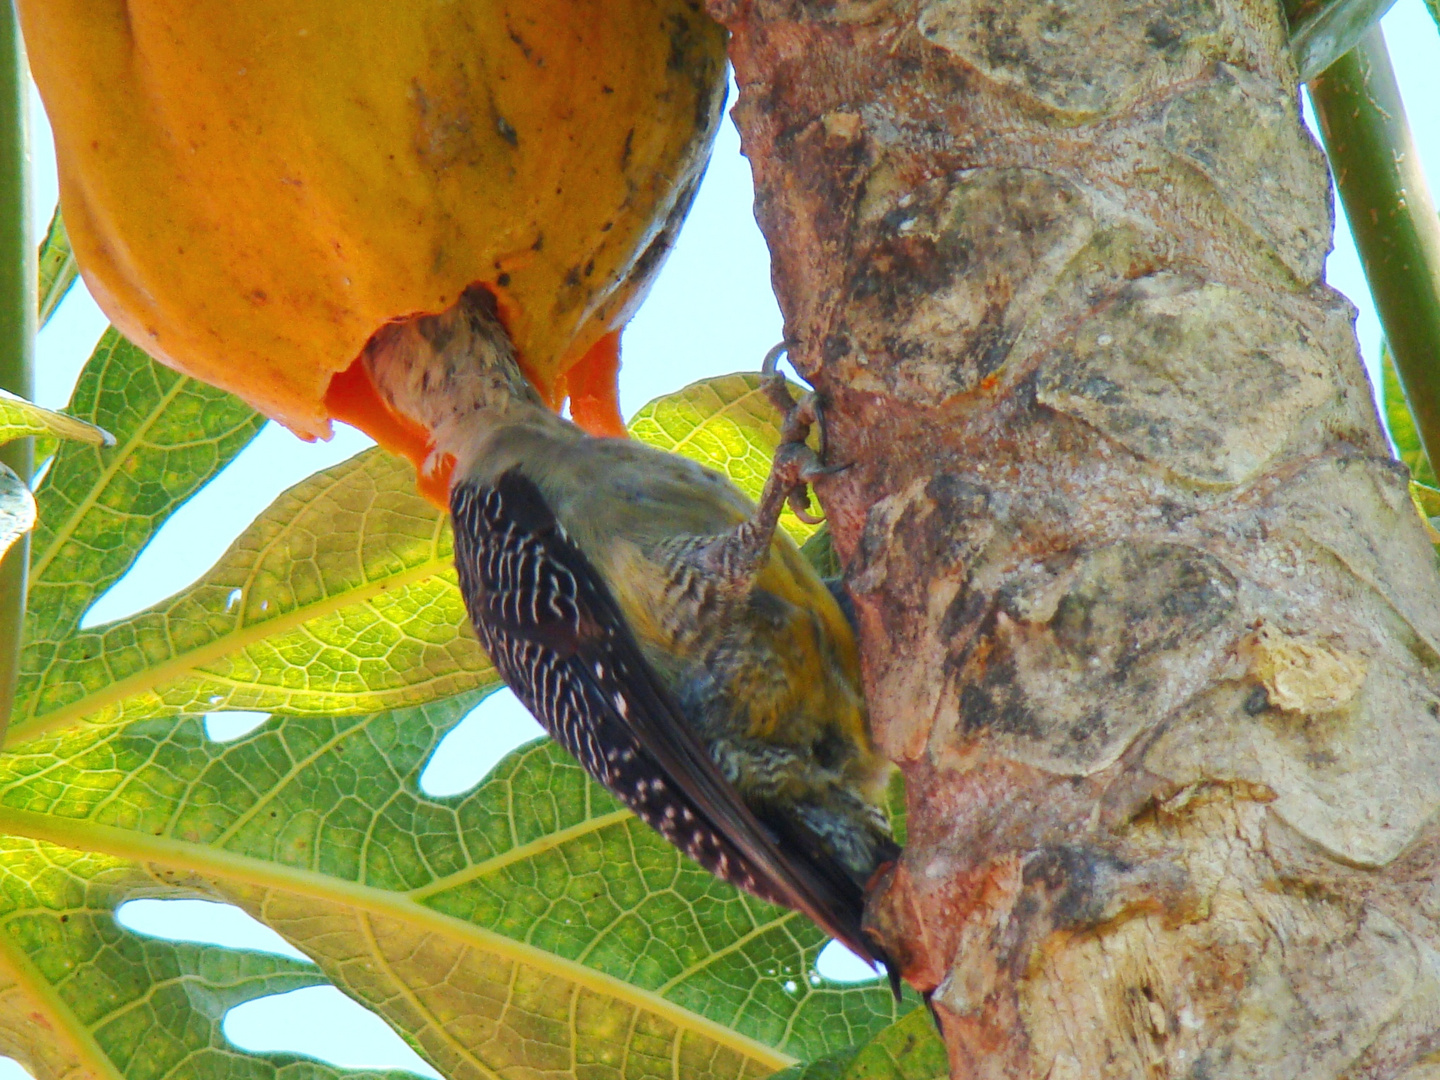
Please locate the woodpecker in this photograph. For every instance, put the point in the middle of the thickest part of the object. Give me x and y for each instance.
(656, 624)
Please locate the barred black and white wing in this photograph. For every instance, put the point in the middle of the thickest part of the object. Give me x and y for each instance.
(560, 640)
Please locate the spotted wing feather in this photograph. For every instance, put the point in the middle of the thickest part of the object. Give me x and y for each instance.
(559, 639)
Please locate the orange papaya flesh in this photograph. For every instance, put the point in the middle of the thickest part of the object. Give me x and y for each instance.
(352, 399)
(253, 189)
(594, 385)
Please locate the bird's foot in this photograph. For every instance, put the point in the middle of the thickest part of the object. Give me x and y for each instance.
(795, 465)
(741, 554)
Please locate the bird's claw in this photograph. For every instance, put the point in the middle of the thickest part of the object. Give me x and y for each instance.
(740, 554)
(796, 416)
(799, 503)
(793, 470)
(795, 466)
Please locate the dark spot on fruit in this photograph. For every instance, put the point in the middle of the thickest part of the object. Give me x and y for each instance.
(519, 41)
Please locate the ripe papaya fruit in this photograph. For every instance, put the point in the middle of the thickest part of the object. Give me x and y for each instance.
(252, 189)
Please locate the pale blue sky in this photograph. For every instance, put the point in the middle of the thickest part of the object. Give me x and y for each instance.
(711, 312)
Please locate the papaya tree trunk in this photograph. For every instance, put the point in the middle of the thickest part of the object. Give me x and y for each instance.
(1148, 618)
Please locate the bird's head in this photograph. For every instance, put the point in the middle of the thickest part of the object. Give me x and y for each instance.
(431, 385)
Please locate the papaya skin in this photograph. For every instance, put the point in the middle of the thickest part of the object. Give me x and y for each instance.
(253, 189)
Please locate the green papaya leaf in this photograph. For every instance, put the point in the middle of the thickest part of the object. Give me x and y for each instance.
(99, 506)
(1427, 499)
(895, 806)
(45, 447)
(726, 423)
(19, 418)
(340, 598)
(58, 269)
(1400, 424)
(17, 508)
(829, 1067)
(820, 552)
(909, 1049)
(1424, 488)
(81, 996)
(529, 924)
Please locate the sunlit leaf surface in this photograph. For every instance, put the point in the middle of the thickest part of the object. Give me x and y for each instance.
(909, 1049)
(529, 923)
(726, 423)
(58, 269)
(100, 506)
(82, 997)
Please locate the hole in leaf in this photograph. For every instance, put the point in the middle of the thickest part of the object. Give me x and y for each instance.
(475, 745)
(229, 726)
(323, 1023)
(10, 1069)
(838, 964)
(67, 341)
(203, 921)
(198, 533)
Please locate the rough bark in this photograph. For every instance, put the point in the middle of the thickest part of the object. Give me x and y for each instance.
(1148, 619)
